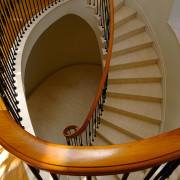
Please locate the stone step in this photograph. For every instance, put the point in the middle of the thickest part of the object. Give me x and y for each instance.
(114, 136)
(150, 73)
(142, 57)
(133, 126)
(118, 4)
(139, 91)
(150, 111)
(128, 29)
(123, 15)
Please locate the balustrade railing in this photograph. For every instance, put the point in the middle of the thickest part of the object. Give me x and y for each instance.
(74, 134)
(15, 17)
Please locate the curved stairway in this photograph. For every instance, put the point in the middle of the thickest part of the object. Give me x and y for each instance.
(132, 110)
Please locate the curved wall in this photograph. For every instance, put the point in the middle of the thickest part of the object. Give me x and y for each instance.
(78, 7)
(68, 41)
(157, 13)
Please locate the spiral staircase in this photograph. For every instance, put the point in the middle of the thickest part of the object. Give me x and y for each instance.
(133, 105)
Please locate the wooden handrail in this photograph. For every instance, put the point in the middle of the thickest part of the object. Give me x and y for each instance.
(87, 160)
(103, 79)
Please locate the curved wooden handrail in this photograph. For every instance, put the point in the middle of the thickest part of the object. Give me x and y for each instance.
(103, 79)
(87, 160)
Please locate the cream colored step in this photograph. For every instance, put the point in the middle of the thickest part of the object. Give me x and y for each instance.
(141, 91)
(139, 109)
(118, 4)
(99, 141)
(136, 42)
(148, 73)
(123, 15)
(133, 126)
(113, 136)
(128, 29)
(142, 57)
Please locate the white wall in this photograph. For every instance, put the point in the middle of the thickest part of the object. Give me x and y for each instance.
(157, 12)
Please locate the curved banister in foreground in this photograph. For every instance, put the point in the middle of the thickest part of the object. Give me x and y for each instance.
(98, 160)
(103, 80)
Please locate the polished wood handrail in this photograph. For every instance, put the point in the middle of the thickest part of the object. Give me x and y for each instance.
(103, 79)
(87, 160)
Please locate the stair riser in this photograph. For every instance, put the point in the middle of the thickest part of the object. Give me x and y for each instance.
(121, 111)
(133, 64)
(135, 97)
(120, 5)
(134, 80)
(131, 49)
(103, 137)
(128, 34)
(122, 130)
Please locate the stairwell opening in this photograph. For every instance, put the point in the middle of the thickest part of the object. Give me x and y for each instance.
(62, 76)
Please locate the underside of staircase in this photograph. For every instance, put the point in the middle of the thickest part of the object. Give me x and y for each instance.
(133, 105)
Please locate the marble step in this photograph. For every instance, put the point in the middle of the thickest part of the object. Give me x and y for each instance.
(145, 110)
(114, 136)
(134, 43)
(142, 57)
(133, 126)
(128, 29)
(123, 15)
(140, 91)
(150, 73)
(118, 4)
(99, 141)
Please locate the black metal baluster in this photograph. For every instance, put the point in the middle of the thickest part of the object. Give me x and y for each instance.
(35, 9)
(95, 122)
(10, 32)
(54, 176)
(52, 3)
(86, 138)
(151, 173)
(30, 7)
(41, 7)
(89, 133)
(19, 26)
(92, 126)
(38, 7)
(25, 13)
(45, 5)
(16, 33)
(125, 176)
(36, 173)
(25, 28)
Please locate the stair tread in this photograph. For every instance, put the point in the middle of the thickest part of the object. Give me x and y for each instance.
(151, 90)
(114, 136)
(130, 26)
(149, 110)
(99, 141)
(150, 71)
(140, 128)
(141, 39)
(123, 13)
(133, 57)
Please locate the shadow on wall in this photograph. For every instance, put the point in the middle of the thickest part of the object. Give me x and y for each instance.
(68, 41)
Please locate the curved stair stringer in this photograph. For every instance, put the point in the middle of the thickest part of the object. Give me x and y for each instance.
(133, 106)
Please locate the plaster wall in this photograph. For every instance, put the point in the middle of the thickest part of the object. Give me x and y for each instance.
(68, 41)
(157, 13)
